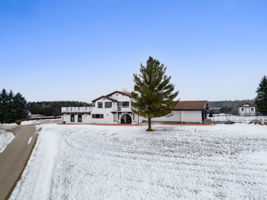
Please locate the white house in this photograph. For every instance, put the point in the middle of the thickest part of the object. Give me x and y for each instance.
(247, 109)
(115, 108)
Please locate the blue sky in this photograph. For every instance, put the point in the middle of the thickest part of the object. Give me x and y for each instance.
(78, 50)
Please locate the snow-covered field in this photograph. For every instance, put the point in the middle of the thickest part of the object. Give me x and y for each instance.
(174, 162)
(5, 139)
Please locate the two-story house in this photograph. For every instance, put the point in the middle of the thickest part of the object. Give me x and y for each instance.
(115, 108)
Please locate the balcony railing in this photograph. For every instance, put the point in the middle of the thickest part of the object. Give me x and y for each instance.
(122, 109)
(76, 109)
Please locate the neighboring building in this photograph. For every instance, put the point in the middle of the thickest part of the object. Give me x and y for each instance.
(115, 108)
(247, 109)
(36, 116)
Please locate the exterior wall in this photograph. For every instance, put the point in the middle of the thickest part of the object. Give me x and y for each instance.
(181, 116)
(111, 115)
(108, 116)
(86, 118)
(247, 111)
(191, 116)
(120, 98)
(174, 116)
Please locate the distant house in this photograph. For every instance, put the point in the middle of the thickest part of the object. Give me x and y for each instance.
(247, 109)
(115, 108)
(36, 116)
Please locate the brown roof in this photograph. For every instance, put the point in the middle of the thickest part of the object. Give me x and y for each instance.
(120, 92)
(250, 104)
(104, 97)
(191, 105)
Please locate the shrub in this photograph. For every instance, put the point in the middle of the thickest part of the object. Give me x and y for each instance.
(18, 121)
(229, 122)
(256, 122)
(207, 121)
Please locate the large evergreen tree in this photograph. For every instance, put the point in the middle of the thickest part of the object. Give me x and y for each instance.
(153, 94)
(261, 99)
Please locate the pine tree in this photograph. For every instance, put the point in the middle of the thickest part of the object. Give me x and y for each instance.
(20, 107)
(153, 94)
(4, 106)
(12, 107)
(261, 99)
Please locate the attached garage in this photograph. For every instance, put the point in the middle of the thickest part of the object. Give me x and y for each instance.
(186, 112)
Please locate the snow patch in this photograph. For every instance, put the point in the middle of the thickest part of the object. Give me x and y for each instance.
(5, 139)
(39, 169)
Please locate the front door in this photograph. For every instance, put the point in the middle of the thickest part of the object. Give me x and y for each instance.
(72, 117)
(126, 119)
(80, 118)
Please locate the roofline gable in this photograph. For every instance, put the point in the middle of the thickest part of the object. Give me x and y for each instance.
(105, 97)
(120, 92)
(191, 105)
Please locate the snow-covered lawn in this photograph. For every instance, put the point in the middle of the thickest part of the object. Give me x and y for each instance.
(5, 139)
(174, 162)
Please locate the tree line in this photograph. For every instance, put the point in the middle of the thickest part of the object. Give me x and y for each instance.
(52, 108)
(12, 107)
(15, 107)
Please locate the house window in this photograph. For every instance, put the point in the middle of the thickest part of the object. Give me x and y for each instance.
(125, 104)
(100, 105)
(80, 118)
(97, 116)
(72, 117)
(242, 109)
(108, 104)
(252, 109)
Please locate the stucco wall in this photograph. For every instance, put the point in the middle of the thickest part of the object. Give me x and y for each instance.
(174, 116)
(181, 116)
(191, 116)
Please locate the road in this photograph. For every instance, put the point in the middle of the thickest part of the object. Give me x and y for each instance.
(14, 158)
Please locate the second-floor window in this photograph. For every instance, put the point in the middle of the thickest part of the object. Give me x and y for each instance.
(125, 104)
(100, 105)
(108, 104)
